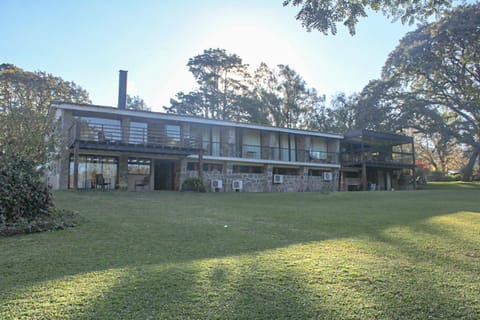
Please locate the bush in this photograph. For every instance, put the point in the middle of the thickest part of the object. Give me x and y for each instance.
(441, 176)
(193, 184)
(24, 197)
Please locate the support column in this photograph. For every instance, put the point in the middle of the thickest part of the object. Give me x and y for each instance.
(364, 177)
(200, 164)
(305, 180)
(76, 156)
(364, 167)
(414, 167)
(269, 174)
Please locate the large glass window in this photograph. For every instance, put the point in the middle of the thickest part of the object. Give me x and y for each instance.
(201, 133)
(173, 134)
(88, 168)
(216, 142)
(139, 166)
(251, 144)
(319, 149)
(138, 132)
(100, 129)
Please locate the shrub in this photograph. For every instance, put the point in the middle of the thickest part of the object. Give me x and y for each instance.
(24, 197)
(193, 184)
(23, 194)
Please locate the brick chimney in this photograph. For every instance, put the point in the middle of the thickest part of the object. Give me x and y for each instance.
(122, 90)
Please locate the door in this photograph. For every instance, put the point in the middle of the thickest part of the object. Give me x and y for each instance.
(164, 175)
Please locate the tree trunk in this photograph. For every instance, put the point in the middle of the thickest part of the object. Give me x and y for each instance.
(468, 170)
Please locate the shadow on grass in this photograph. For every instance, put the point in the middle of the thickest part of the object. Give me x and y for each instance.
(264, 256)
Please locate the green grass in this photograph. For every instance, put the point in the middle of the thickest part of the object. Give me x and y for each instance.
(167, 255)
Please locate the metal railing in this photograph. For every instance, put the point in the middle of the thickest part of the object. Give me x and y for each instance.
(393, 158)
(247, 151)
(102, 133)
(149, 137)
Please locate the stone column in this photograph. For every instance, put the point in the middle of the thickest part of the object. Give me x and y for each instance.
(65, 158)
(122, 170)
(305, 186)
(269, 175)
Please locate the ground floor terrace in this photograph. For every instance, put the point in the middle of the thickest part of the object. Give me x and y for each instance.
(370, 178)
(139, 171)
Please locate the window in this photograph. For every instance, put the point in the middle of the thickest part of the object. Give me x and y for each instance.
(247, 169)
(319, 149)
(173, 134)
(251, 144)
(138, 132)
(89, 166)
(193, 166)
(286, 171)
(315, 173)
(139, 166)
(99, 129)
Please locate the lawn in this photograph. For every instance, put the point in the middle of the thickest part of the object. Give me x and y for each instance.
(172, 255)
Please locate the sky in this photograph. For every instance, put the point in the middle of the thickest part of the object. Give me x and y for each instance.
(89, 41)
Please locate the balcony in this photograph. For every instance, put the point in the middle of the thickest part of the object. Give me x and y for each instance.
(393, 160)
(255, 152)
(147, 140)
(130, 139)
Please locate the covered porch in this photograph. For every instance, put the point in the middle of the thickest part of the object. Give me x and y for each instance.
(374, 160)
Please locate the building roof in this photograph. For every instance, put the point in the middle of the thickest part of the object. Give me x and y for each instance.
(377, 137)
(174, 117)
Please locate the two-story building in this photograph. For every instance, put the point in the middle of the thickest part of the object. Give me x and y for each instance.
(110, 148)
(117, 148)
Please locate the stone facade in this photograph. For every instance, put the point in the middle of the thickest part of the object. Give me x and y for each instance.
(263, 182)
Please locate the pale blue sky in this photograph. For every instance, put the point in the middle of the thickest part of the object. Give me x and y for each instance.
(88, 41)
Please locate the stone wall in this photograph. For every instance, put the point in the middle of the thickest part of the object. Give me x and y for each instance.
(264, 182)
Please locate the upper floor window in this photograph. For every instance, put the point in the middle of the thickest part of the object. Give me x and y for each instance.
(138, 132)
(173, 133)
(100, 129)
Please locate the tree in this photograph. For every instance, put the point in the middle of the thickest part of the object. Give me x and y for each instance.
(378, 107)
(25, 98)
(324, 15)
(222, 82)
(136, 103)
(191, 104)
(342, 115)
(227, 91)
(283, 97)
(437, 68)
(264, 93)
(441, 154)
